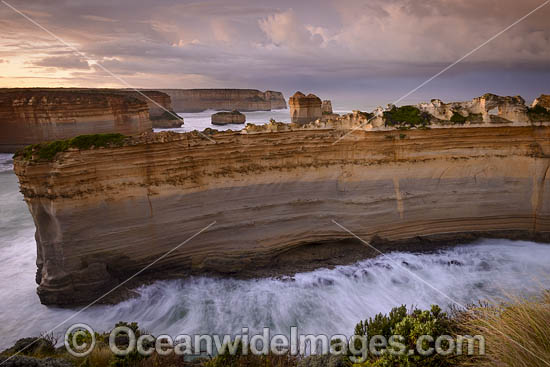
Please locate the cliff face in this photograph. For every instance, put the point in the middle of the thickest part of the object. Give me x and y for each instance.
(277, 100)
(104, 214)
(30, 116)
(161, 112)
(197, 100)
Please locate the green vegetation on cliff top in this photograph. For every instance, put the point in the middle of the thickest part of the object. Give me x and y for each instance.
(48, 150)
(406, 117)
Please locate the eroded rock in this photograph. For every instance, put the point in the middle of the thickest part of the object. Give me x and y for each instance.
(224, 118)
(304, 109)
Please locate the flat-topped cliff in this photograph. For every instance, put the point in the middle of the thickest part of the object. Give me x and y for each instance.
(197, 100)
(34, 115)
(104, 214)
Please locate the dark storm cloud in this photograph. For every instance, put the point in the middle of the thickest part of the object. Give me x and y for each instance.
(286, 44)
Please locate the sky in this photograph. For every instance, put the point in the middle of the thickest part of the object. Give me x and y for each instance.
(359, 53)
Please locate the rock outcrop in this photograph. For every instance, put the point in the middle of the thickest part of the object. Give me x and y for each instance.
(304, 109)
(34, 115)
(487, 108)
(224, 118)
(326, 107)
(542, 101)
(102, 215)
(197, 100)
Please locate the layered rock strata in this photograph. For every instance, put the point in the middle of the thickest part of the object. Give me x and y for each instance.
(224, 118)
(29, 116)
(104, 214)
(197, 100)
(304, 109)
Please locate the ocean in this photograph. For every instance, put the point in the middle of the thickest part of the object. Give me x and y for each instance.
(328, 301)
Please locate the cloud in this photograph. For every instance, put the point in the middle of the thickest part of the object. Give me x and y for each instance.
(285, 29)
(63, 62)
(289, 45)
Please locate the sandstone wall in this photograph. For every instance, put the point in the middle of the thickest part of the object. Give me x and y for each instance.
(30, 116)
(104, 214)
(197, 100)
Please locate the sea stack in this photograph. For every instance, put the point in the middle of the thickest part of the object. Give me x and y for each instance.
(326, 107)
(224, 118)
(304, 109)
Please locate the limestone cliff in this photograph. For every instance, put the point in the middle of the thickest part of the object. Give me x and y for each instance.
(197, 100)
(29, 116)
(104, 214)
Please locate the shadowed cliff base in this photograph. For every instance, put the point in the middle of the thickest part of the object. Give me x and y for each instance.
(298, 259)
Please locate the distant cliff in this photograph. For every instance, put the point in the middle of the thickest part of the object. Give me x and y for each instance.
(196, 100)
(34, 115)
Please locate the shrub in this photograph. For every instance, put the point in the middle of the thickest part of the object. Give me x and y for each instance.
(457, 118)
(410, 325)
(406, 117)
(538, 113)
